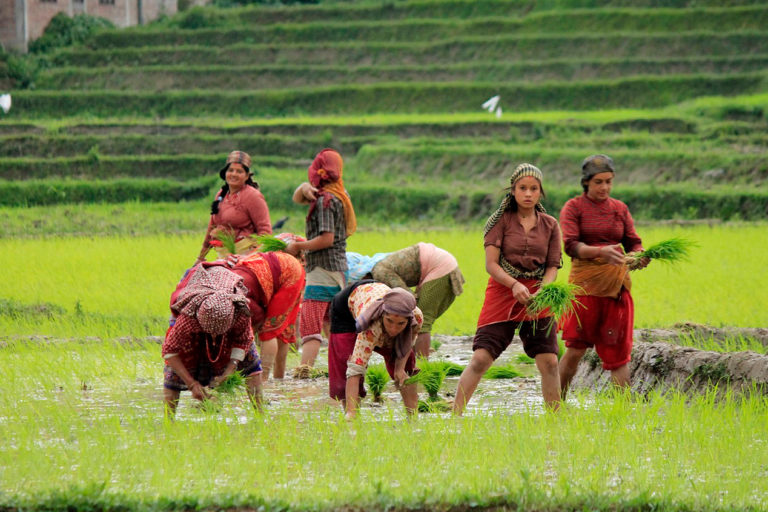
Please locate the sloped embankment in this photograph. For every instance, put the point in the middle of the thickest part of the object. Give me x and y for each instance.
(659, 365)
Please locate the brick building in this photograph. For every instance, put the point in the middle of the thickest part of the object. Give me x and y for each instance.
(22, 21)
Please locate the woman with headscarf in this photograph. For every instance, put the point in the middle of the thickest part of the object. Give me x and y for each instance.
(597, 230)
(211, 336)
(275, 282)
(239, 209)
(331, 219)
(522, 252)
(369, 317)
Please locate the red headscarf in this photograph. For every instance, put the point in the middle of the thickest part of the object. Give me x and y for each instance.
(325, 174)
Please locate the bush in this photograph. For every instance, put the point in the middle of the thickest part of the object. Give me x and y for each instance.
(65, 31)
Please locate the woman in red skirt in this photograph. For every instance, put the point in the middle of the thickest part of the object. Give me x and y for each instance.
(597, 230)
(522, 252)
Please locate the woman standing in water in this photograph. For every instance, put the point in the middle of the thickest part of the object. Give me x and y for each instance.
(522, 252)
(597, 230)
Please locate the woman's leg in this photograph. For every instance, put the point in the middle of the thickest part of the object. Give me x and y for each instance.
(282, 355)
(567, 368)
(470, 377)
(268, 354)
(171, 397)
(253, 386)
(422, 345)
(410, 396)
(620, 376)
(550, 379)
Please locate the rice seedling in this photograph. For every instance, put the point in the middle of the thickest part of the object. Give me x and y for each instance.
(377, 378)
(432, 406)
(672, 250)
(431, 375)
(270, 243)
(502, 372)
(524, 359)
(452, 369)
(227, 240)
(557, 297)
(231, 383)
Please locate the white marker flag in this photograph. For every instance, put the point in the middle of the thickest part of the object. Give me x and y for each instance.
(491, 103)
(5, 102)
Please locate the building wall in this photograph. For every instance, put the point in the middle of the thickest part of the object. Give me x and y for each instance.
(22, 21)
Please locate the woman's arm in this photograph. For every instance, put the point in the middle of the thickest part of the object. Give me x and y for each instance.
(304, 194)
(322, 241)
(198, 392)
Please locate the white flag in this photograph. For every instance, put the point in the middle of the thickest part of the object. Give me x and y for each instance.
(5, 102)
(498, 112)
(491, 103)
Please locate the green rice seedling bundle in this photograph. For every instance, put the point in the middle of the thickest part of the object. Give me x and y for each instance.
(227, 240)
(558, 297)
(502, 372)
(270, 243)
(376, 377)
(525, 359)
(434, 406)
(431, 376)
(231, 383)
(672, 250)
(452, 369)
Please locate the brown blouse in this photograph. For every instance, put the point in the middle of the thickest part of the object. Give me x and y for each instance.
(527, 251)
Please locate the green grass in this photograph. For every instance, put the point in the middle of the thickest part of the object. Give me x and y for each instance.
(94, 419)
(116, 286)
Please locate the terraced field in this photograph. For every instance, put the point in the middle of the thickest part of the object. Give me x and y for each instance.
(675, 93)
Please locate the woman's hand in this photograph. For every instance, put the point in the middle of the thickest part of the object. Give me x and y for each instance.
(612, 254)
(232, 260)
(521, 293)
(198, 391)
(400, 377)
(292, 249)
(637, 264)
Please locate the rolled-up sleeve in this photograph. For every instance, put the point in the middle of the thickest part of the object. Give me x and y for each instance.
(569, 223)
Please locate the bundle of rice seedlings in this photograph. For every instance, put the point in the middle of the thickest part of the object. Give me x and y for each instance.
(270, 243)
(227, 240)
(672, 250)
(431, 376)
(452, 369)
(502, 372)
(231, 383)
(376, 377)
(304, 371)
(525, 359)
(434, 406)
(559, 297)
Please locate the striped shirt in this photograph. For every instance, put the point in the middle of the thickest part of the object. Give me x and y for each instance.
(597, 223)
(326, 219)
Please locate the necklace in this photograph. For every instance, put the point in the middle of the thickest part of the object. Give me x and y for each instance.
(208, 350)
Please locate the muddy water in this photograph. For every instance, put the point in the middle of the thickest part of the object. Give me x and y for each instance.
(502, 395)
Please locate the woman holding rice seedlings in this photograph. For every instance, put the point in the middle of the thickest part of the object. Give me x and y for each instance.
(597, 230)
(435, 274)
(522, 252)
(275, 282)
(211, 337)
(239, 209)
(368, 317)
(331, 219)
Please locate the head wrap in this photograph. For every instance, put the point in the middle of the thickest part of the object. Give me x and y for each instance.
(595, 164)
(521, 171)
(325, 174)
(397, 301)
(236, 157)
(213, 296)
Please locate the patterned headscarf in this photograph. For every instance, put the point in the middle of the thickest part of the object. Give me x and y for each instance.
(213, 295)
(325, 174)
(397, 301)
(521, 171)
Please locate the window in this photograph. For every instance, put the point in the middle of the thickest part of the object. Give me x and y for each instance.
(47, 1)
(107, 2)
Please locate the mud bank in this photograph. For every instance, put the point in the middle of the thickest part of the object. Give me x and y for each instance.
(660, 364)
